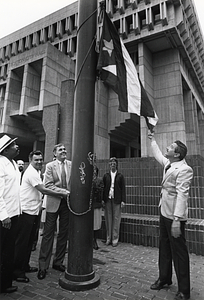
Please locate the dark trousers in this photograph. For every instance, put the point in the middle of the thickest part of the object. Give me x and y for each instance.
(7, 247)
(26, 232)
(175, 249)
(48, 237)
(35, 240)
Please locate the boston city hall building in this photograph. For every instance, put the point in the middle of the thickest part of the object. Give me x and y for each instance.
(165, 42)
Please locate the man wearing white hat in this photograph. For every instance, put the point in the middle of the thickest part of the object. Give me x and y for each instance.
(9, 210)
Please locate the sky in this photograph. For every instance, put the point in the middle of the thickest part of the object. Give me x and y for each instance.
(16, 14)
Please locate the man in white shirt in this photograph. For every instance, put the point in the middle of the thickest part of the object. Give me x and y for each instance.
(9, 210)
(31, 201)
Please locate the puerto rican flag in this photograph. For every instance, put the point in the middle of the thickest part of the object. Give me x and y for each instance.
(117, 70)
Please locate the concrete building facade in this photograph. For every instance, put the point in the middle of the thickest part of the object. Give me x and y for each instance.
(165, 41)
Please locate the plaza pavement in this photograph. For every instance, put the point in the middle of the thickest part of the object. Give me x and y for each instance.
(126, 272)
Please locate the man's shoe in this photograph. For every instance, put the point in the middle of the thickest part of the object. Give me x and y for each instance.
(60, 268)
(10, 289)
(24, 279)
(95, 245)
(158, 285)
(31, 269)
(108, 243)
(33, 247)
(181, 296)
(114, 244)
(41, 274)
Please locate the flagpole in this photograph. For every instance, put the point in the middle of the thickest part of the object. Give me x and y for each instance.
(79, 274)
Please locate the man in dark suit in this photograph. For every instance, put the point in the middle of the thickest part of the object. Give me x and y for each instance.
(173, 205)
(56, 178)
(114, 196)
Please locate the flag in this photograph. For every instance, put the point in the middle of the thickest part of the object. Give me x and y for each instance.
(117, 70)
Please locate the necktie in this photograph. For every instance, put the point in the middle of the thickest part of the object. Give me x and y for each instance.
(63, 177)
(21, 177)
(167, 167)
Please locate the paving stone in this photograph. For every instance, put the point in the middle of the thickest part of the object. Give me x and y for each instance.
(126, 273)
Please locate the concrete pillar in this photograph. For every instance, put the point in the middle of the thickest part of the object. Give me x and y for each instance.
(2, 93)
(101, 136)
(191, 123)
(22, 108)
(66, 115)
(146, 77)
(37, 145)
(30, 89)
(50, 123)
(168, 98)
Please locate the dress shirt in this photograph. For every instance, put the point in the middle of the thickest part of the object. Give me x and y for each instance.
(9, 188)
(167, 168)
(63, 176)
(60, 166)
(61, 171)
(111, 192)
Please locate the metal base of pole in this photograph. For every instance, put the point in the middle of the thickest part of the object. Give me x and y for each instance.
(79, 282)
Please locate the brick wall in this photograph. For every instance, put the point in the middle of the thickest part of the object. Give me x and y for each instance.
(140, 217)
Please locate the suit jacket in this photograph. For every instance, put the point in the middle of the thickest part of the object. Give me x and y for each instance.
(175, 186)
(119, 188)
(52, 180)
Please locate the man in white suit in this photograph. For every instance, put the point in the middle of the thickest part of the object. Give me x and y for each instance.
(57, 177)
(173, 206)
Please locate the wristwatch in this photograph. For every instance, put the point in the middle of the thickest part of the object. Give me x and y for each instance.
(176, 218)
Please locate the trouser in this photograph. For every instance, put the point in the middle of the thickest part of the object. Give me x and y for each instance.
(26, 232)
(95, 234)
(35, 240)
(176, 249)
(48, 237)
(112, 220)
(7, 247)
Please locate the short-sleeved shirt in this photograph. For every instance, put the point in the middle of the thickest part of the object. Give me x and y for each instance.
(31, 198)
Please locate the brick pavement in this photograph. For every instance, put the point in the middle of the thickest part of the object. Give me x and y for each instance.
(126, 272)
